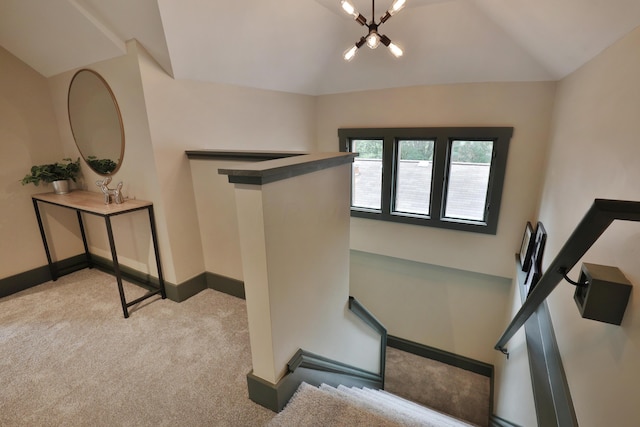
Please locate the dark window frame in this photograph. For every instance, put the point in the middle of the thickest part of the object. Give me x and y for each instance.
(443, 137)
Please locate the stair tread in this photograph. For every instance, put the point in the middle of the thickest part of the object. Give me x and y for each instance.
(387, 403)
(310, 406)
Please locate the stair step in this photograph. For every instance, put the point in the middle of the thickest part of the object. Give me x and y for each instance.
(352, 406)
(395, 407)
(376, 403)
(407, 405)
(312, 407)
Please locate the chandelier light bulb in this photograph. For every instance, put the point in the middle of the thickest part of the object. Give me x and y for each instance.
(350, 53)
(397, 6)
(349, 8)
(395, 50)
(373, 40)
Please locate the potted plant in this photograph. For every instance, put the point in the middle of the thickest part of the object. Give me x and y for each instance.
(57, 173)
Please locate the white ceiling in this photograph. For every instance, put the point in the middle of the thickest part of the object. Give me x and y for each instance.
(297, 45)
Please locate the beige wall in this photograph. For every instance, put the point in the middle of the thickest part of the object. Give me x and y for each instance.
(28, 136)
(525, 106)
(138, 170)
(445, 260)
(218, 221)
(192, 115)
(163, 118)
(294, 237)
(187, 115)
(513, 390)
(595, 123)
(595, 153)
(454, 310)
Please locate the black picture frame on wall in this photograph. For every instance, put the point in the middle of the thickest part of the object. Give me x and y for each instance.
(532, 278)
(526, 247)
(539, 244)
(535, 271)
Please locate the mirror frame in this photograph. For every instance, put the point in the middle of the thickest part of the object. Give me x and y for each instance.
(117, 110)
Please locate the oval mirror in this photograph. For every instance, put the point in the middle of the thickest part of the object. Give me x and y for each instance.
(96, 122)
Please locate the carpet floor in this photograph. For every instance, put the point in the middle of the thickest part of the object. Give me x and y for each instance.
(347, 407)
(69, 358)
(454, 391)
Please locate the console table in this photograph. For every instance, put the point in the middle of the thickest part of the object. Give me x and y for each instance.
(93, 203)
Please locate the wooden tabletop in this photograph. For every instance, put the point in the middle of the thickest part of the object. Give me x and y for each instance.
(89, 201)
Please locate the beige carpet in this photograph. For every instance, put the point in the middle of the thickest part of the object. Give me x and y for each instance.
(312, 407)
(445, 388)
(69, 358)
(354, 406)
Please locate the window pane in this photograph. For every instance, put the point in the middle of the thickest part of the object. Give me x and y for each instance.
(413, 177)
(366, 189)
(469, 167)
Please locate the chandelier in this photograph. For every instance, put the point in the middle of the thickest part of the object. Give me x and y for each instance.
(373, 38)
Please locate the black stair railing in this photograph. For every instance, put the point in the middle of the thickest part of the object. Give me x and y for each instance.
(597, 219)
(371, 320)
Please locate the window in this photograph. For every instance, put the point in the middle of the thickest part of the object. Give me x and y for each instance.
(439, 177)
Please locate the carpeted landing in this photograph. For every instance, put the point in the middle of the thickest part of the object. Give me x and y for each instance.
(455, 391)
(69, 358)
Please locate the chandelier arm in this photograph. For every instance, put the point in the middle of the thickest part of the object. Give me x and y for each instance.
(348, 8)
(396, 7)
(361, 19)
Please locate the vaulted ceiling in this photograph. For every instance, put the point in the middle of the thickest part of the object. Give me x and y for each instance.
(297, 45)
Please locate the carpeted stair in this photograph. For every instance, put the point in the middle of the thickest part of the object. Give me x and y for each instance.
(343, 406)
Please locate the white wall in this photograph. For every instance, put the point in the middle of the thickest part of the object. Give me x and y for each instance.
(594, 154)
(525, 106)
(294, 236)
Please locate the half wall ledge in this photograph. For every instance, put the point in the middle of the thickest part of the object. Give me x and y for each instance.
(242, 155)
(260, 173)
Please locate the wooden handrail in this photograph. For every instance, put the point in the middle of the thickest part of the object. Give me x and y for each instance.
(597, 219)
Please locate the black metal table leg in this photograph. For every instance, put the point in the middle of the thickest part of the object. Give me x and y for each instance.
(84, 203)
(54, 275)
(116, 267)
(154, 237)
(84, 240)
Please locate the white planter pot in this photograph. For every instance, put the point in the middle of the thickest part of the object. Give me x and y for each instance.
(61, 187)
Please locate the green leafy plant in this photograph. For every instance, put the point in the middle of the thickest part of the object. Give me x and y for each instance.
(102, 166)
(53, 172)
